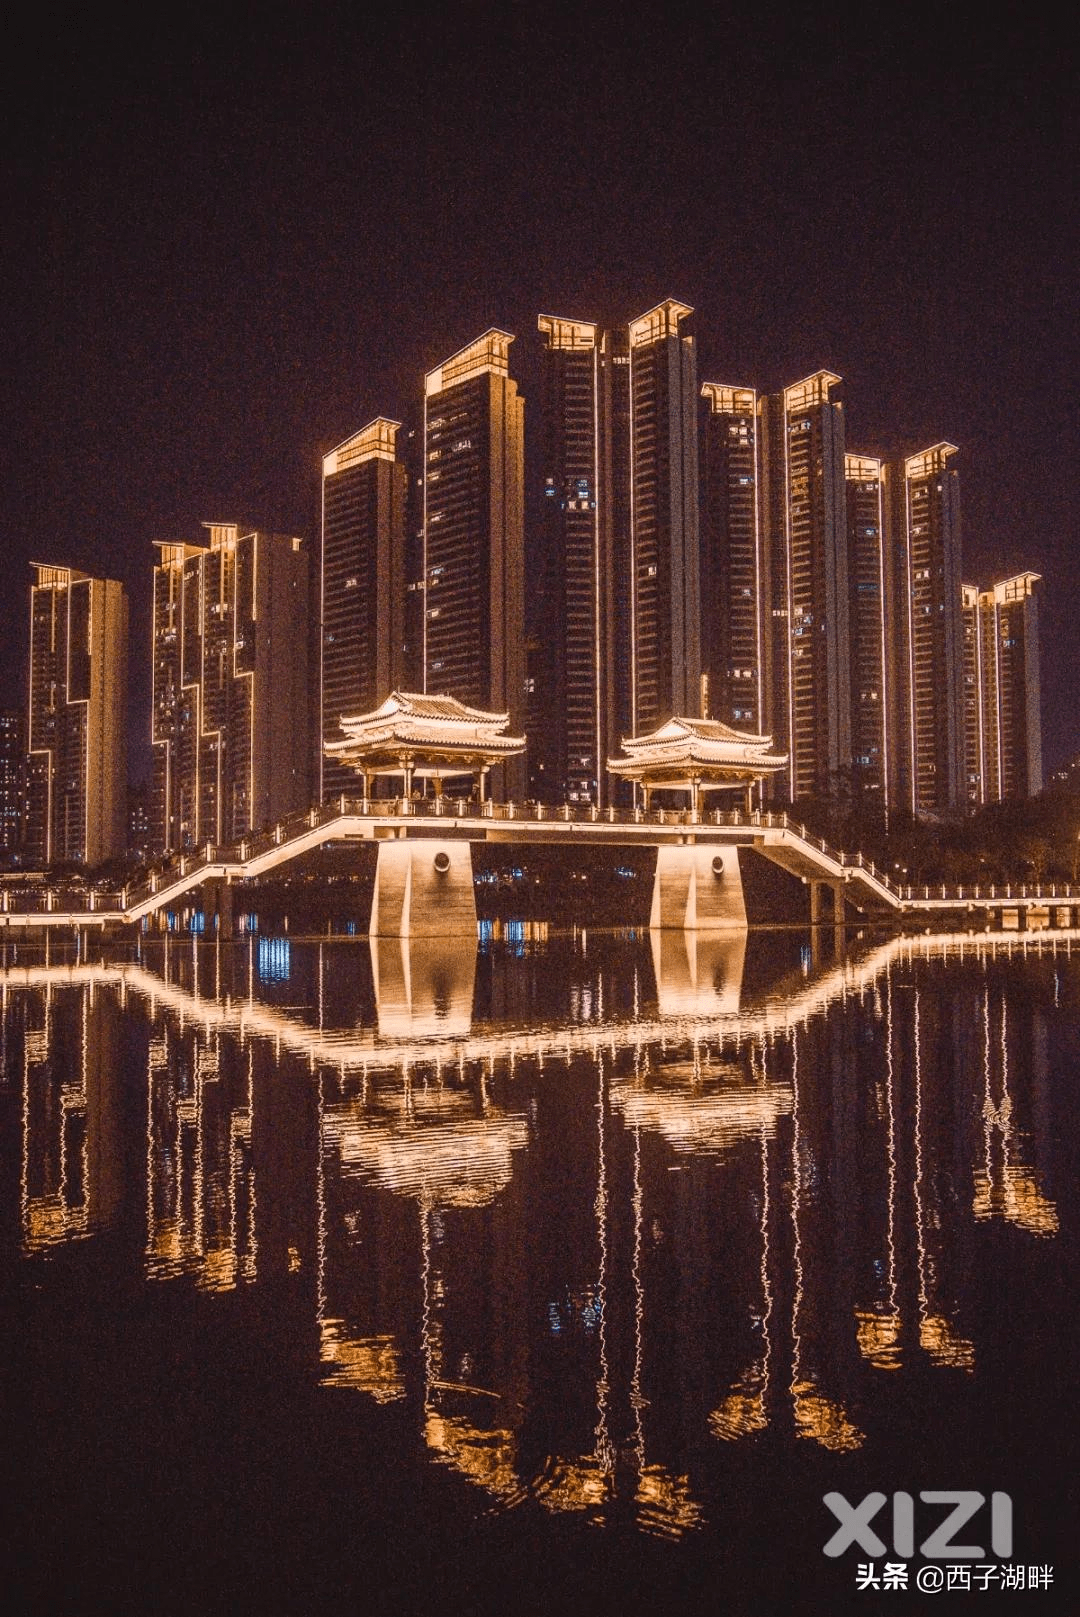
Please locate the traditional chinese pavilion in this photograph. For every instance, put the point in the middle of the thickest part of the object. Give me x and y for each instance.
(696, 756)
(423, 737)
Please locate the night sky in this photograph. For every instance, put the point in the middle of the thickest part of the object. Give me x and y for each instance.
(227, 247)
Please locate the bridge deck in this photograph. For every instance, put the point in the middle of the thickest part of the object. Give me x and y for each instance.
(776, 836)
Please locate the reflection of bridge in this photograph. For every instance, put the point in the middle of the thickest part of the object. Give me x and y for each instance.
(424, 882)
(214, 1206)
(442, 1033)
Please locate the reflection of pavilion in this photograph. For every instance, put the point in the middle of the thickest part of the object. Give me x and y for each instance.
(431, 1146)
(449, 1248)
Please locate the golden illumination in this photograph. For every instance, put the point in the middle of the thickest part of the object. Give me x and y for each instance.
(370, 1364)
(376, 441)
(878, 1338)
(724, 400)
(810, 391)
(223, 535)
(665, 1504)
(824, 1420)
(862, 468)
(567, 334)
(943, 1345)
(1012, 1193)
(663, 321)
(582, 1484)
(742, 1412)
(488, 353)
(929, 460)
(484, 1457)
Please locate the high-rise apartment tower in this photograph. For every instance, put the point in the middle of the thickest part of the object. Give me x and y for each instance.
(1002, 721)
(232, 750)
(473, 638)
(732, 580)
(868, 627)
(361, 585)
(664, 570)
(807, 653)
(76, 740)
(929, 727)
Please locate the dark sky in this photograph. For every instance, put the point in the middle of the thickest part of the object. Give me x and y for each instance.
(228, 246)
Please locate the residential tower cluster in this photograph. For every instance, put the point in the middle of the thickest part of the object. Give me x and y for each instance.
(685, 547)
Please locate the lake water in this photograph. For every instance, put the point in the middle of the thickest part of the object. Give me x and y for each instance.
(568, 1275)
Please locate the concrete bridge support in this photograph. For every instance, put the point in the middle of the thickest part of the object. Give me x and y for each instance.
(423, 889)
(218, 910)
(698, 887)
(830, 911)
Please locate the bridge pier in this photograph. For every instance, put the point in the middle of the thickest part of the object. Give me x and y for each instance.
(423, 889)
(833, 914)
(698, 887)
(218, 907)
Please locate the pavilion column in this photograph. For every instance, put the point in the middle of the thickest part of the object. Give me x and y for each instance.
(482, 782)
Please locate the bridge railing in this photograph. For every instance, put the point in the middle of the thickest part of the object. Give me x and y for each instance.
(183, 870)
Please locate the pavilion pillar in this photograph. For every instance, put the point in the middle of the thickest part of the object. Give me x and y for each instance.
(698, 887)
(423, 889)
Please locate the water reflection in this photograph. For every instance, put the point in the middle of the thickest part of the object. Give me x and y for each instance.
(592, 1211)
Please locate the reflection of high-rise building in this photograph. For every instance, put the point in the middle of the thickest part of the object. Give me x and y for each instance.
(473, 569)
(12, 778)
(868, 625)
(362, 584)
(807, 589)
(230, 678)
(76, 764)
(929, 730)
(1002, 723)
(732, 629)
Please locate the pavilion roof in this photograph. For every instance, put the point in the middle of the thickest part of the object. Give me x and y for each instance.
(685, 748)
(423, 724)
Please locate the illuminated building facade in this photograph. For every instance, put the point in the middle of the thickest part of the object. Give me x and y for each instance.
(617, 612)
(76, 805)
(362, 585)
(929, 730)
(664, 570)
(1002, 721)
(12, 778)
(230, 694)
(732, 629)
(577, 658)
(473, 641)
(807, 652)
(868, 619)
